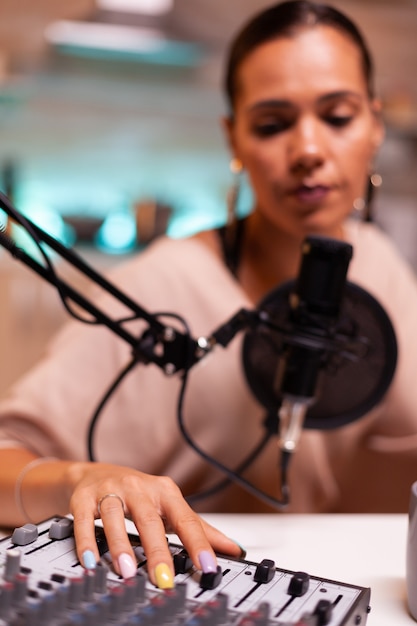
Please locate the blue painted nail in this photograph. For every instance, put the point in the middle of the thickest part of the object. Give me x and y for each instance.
(207, 562)
(89, 560)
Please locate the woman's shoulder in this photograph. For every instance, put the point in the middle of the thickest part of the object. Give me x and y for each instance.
(182, 272)
(379, 267)
(165, 253)
(375, 252)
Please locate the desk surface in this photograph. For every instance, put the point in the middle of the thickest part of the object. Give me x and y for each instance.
(365, 550)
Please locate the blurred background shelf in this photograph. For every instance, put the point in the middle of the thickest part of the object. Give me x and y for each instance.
(92, 123)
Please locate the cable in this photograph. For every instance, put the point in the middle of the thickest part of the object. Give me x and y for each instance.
(222, 484)
(229, 473)
(112, 388)
(101, 405)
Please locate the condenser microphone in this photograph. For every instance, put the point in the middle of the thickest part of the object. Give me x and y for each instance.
(318, 352)
(314, 307)
(326, 351)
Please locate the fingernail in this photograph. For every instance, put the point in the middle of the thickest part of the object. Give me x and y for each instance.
(89, 560)
(242, 549)
(207, 562)
(163, 576)
(127, 566)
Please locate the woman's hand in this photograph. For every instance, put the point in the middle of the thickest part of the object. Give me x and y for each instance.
(155, 505)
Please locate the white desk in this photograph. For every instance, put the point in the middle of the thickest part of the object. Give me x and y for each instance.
(365, 550)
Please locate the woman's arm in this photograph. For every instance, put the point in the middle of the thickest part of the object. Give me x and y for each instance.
(30, 490)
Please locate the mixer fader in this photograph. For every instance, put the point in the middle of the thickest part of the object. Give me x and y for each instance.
(43, 584)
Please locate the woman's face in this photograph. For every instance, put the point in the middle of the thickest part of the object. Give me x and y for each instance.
(305, 129)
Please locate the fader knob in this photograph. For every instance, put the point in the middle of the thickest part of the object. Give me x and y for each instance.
(211, 580)
(323, 612)
(299, 584)
(61, 529)
(182, 562)
(265, 571)
(25, 534)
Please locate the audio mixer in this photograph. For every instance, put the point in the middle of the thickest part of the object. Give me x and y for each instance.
(42, 583)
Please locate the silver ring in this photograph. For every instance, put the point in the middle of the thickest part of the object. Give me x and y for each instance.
(110, 495)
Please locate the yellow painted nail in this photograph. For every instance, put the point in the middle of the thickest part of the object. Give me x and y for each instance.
(163, 576)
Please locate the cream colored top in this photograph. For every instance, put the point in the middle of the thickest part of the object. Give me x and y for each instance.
(368, 465)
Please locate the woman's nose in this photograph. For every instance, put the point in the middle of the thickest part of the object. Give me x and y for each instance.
(307, 147)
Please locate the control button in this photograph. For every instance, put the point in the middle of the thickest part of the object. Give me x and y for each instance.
(265, 571)
(61, 529)
(299, 584)
(217, 607)
(259, 617)
(182, 562)
(211, 580)
(100, 578)
(45, 585)
(25, 534)
(116, 604)
(135, 590)
(89, 585)
(177, 597)
(20, 590)
(12, 564)
(323, 612)
(58, 578)
(6, 598)
(75, 593)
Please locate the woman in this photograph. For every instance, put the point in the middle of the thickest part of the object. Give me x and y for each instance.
(305, 126)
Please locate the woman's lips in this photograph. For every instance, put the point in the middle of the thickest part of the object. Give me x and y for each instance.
(311, 194)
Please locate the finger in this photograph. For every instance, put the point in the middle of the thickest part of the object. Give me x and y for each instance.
(222, 543)
(154, 542)
(113, 518)
(189, 528)
(83, 511)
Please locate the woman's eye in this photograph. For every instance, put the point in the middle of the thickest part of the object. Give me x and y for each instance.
(339, 120)
(268, 128)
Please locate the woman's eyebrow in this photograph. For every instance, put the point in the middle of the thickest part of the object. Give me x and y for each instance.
(288, 104)
(272, 103)
(339, 95)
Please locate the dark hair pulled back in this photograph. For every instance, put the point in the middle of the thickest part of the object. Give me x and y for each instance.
(284, 20)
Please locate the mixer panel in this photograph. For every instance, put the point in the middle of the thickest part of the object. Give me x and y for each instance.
(42, 583)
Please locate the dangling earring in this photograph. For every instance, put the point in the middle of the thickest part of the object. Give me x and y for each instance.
(231, 234)
(375, 180)
(236, 168)
(363, 206)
